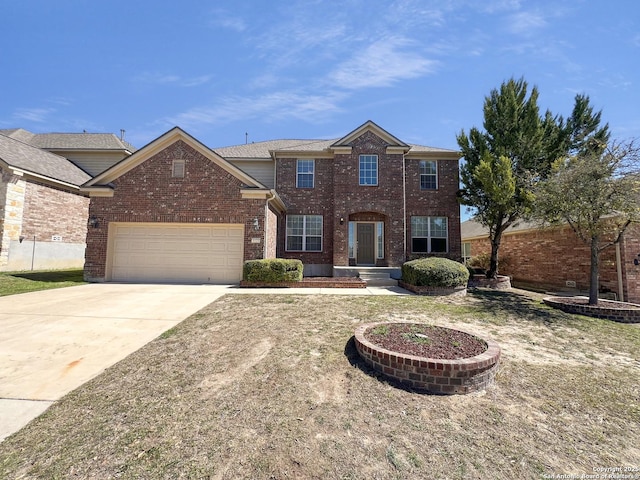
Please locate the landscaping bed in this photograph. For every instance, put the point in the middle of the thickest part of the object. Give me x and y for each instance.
(427, 357)
(608, 309)
(310, 282)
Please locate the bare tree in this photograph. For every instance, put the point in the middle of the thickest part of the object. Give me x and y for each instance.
(597, 192)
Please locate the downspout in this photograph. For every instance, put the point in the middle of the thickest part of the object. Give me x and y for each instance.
(619, 271)
(404, 206)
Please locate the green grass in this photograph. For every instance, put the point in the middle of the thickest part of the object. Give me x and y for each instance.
(12, 283)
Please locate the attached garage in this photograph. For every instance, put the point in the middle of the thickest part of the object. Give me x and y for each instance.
(175, 252)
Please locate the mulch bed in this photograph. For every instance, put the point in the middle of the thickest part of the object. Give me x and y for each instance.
(311, 282)
(426, 341)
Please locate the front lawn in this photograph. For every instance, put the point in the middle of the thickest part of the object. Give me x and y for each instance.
(12, 283)
(270, 386)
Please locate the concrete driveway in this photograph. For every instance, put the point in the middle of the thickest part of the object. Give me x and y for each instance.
(53, 341)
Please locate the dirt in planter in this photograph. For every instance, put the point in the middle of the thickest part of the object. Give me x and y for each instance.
(425, 341)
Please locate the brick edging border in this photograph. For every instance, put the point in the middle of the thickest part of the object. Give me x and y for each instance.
(621, 315)
(333, 282)
(431, 375)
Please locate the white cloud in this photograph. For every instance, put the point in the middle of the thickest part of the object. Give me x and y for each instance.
(224, 19)
(170, 79)
(273, 105)
(38, 115)
(525, 23)
(381, 64)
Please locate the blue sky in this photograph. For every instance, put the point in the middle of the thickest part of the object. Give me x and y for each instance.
(308, 69)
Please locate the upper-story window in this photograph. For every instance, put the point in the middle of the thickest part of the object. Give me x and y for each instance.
(368, 170)
(305, 173)
(177, 168)
(428, 174)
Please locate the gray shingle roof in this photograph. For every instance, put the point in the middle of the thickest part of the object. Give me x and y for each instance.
(473, 229)
(69, 141)
(26, 157)
(80, 141)
(262, 149)
(259, 150)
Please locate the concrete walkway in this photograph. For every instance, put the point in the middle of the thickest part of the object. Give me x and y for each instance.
(53, 341)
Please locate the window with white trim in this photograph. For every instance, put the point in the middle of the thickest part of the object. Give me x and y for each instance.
(428, 174)
(178, 168)
(305, 173)
(429, 235)
(466, 252)
(368, 171)
(304, 233)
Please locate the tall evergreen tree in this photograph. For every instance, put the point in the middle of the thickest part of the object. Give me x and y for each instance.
(503, 162)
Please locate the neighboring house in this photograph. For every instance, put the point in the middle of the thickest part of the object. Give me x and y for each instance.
(176, 210)
(92, 152)
(556, 259)
(43, 214)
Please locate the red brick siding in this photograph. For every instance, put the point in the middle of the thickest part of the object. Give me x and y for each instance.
(629, 250)
(442, 202)
(548, 258)
(148, 193)
(307, 201)
(49, 211)
(338, 194)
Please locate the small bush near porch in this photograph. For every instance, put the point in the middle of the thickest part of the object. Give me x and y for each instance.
(272, 270)
(435, 272)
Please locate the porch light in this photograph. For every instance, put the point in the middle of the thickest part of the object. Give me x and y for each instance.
(341, 220)
(256, 224)
(94, 222)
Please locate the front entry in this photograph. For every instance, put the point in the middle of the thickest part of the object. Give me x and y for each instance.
(365, 251)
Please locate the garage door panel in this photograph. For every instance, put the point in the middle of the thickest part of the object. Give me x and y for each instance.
(177, 253)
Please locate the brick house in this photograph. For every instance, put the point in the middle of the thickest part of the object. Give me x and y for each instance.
(43, 213)
(177, 210)
(555, 259)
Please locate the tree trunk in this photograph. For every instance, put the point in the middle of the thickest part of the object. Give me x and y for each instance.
(593, 282)
(493, 261)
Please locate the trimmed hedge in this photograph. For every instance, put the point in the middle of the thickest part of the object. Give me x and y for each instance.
(272, 270)
(435, 272)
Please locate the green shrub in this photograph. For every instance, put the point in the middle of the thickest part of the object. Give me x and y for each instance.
(272, 270)
(435, 272)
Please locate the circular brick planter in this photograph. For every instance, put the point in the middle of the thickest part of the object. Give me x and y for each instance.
(431, 375)
(608, 309)
(481, 281)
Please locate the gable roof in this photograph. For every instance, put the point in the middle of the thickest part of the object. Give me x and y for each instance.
(159, 144)
(28, 159)
(268, 149)
(372, 127)
(70, 141)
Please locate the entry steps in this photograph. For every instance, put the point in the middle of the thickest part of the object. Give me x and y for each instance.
(374, 276)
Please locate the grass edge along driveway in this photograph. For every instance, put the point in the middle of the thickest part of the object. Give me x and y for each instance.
(12, 283)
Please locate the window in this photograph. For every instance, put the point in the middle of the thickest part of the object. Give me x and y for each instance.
(380, 239)
(428, 174)
(177, 169)
(368, 170)
(304, 233)
(305, 173)
(466, 252)
(429, 234)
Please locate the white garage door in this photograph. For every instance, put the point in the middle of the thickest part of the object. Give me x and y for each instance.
(176, 252)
